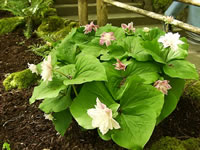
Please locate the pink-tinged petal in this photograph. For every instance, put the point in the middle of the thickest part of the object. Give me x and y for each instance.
(163, 86)
(124, 26)
(99, 104)
(119, 65)
(108, 43)
(101, 42)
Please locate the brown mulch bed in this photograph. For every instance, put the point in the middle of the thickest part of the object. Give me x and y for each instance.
(25, 128)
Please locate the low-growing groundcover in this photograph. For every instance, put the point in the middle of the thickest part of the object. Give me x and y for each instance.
(121, 81)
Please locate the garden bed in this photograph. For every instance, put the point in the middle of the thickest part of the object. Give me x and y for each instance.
(24, 125)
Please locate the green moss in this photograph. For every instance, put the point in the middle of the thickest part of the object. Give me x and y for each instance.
(161, 5)
(55, 28)
(51, 24)
(168, 143)
(20, 80)
(192, 144)
(192, 89)
(9, 24)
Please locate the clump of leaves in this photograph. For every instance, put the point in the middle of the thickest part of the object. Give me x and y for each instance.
(134, 81)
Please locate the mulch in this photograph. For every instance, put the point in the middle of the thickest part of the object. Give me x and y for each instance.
(25, 128)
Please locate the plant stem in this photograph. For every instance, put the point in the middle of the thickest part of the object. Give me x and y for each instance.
(74, 88)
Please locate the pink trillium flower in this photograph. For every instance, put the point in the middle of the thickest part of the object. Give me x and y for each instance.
(128, 28)
(106, 38)
(47, 69)
(163, 86)
(170, 40)
(119, 65)
(102, 117)
(90, 27)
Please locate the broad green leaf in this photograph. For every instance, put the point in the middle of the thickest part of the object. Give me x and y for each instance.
(119, 80)
(49, 89)
(154, 33)
(93, 48)
(57, 104)
(87, 100)
(66, 51)
(171, 100)
(132, 45)
(62, 121)
(140, 106)
(164, 55)
(181, 69)
(88, 68)
(118, 32)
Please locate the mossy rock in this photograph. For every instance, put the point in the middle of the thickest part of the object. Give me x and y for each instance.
(171, 143)
(192, 144)
(168, 143)
(51, 31)
(192, 90)
(9, 24)
(20, 80)
(51, 24)
(161, 5)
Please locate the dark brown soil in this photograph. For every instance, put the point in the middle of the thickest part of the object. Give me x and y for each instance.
(25, 128)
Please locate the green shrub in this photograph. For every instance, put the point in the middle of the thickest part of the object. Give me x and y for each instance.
(161, 5)
(192, 89)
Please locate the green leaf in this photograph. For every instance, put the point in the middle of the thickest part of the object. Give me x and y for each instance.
(140, 106)
(88, 68)
(62, 121)
(57, 104)
(93, 48)
(181, 69)
(49, 89)
(66, 51)
(171, 100)
(132, 45)
(154, 33)
(119, 80)
(87, 100)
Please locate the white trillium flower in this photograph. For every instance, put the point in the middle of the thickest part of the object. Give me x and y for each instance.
(170, 40)
(47, 69)
(33, 68)
(102, 118)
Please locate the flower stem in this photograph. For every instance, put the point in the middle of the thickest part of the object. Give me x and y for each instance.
(74, 88)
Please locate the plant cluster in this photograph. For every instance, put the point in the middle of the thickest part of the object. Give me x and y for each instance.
(32, 11)
(121, 81)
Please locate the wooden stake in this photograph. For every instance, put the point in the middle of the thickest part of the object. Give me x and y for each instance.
(83, 12)
(102, 13)
(156, 16)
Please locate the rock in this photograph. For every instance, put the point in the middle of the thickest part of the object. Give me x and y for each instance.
(171, 143)
(20, 80)
(192, 144)
(192, 90)
(168, 143)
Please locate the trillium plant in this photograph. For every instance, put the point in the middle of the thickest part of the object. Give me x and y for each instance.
(120, 81)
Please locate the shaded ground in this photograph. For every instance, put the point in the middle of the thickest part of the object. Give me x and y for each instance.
(24, 127)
